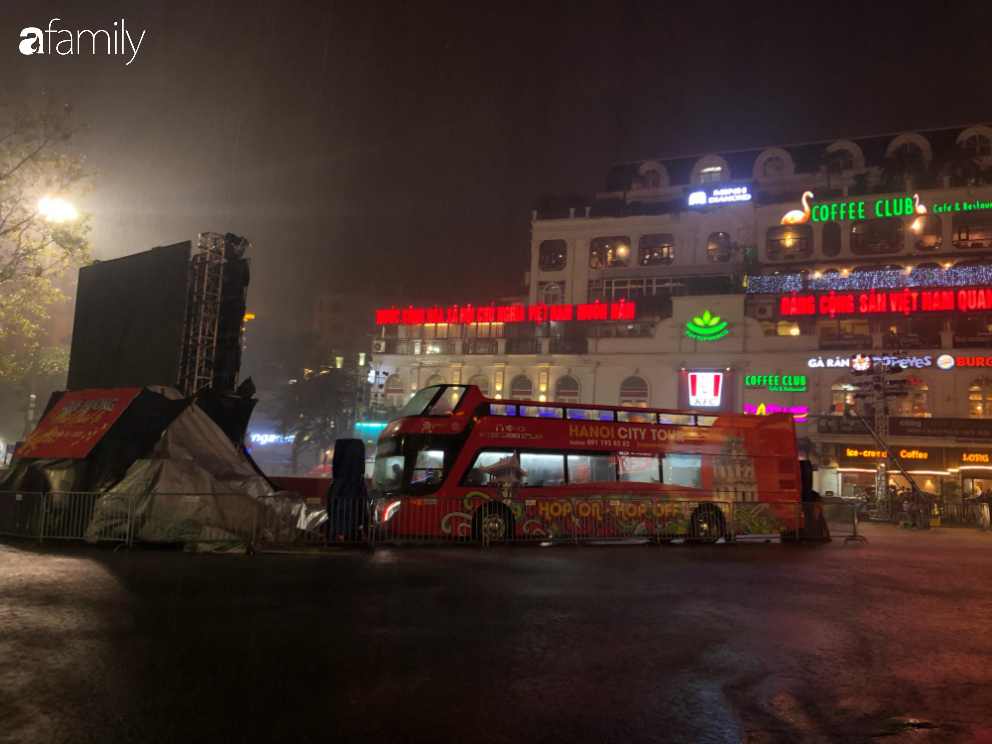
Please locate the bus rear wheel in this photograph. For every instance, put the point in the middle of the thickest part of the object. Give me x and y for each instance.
(493, 523)
(707, 524)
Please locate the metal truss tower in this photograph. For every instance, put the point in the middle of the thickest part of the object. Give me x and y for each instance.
(206, 277)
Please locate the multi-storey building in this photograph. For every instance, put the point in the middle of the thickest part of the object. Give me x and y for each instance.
(761, 272)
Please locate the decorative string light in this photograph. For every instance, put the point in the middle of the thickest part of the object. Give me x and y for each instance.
(958, 276)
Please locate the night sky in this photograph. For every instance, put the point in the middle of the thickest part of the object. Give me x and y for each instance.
(366, 144)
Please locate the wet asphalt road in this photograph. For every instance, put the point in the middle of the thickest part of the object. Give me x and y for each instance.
(763, 643)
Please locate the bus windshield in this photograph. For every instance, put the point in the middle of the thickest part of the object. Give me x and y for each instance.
(433, 401)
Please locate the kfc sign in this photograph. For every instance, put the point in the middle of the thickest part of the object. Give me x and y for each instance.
(705, 389)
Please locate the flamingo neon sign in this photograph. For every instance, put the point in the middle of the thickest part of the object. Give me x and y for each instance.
(901, 206)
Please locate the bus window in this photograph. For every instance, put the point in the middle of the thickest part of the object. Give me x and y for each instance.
(592, 469)
(683, 470)
(429, 467)
(542, 469)
(705, 420)
(678, 419)
(502, 409)
(590, 414)
(639, 468)
(637, 417)
(483, 472)
(447, 402)
(388, 473)
(540, 412)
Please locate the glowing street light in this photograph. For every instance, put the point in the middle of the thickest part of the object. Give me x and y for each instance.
(56, 209)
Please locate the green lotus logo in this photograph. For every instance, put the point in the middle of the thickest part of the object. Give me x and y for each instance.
(706, 328)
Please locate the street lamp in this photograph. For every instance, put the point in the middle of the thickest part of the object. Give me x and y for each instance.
(56, 209)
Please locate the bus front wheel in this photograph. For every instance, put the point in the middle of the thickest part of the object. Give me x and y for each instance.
(707, 524)
(493, 523)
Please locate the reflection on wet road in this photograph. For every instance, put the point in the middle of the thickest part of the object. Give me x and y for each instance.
(762, 643)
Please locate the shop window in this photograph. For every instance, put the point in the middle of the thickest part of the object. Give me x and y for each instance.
(609, 253)
(980, 398)
(551, 293)
(787, 328)
(394, 392)
(434, 379)
(522, 388)
(972, 229)
(634, 392)
(877, 237)
(481, 382)
(927, 232)
(789, 242)
(831, 239)
(917, 401)
(718, 247)
(773, 167)
(711, 174)
(978, 145)
(657, 249)
(841, 395)
(567, 390)
(553, 255)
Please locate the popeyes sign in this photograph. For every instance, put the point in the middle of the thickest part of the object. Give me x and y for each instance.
(905, 301)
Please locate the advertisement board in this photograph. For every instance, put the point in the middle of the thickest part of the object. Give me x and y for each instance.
(707, 390)
(76, 423)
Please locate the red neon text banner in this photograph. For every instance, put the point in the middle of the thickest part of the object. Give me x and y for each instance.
(905, 301)
(541, 313)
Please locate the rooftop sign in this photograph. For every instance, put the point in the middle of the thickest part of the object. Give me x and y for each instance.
(721, 195)
(853, 209)
(906, 301)
(517, 313)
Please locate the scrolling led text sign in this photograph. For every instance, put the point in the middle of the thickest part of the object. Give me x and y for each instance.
(542, 313)
(905, 301)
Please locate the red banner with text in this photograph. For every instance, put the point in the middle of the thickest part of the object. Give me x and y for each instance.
(76, 423)
(904, 301)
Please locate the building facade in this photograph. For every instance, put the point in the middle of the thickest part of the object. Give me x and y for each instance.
(760, 273)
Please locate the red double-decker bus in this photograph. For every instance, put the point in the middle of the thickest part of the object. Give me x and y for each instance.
(455, 463)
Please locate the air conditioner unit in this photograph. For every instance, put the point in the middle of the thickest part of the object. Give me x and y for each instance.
(378, 346)
(765, 311)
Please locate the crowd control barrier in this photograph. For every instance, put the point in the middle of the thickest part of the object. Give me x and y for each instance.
(271, 522)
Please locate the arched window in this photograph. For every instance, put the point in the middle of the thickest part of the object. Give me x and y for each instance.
(844, 159)
(928, 234)
(552, 255)
(978, 145)
(718, 247)
(972, 229)
(878, 236)
(831, 239)
(434, 379)
(481, 382)
(789, 242)
(522, 388)
(841, 394)
(773, 166)
(911, 149)
(917, 402)
(634, 392)
(651, 179)
(394, 392)
(609, 253)
(711, 174)
(657, 249)
(980, 398)
(551, 293)
(567, 390)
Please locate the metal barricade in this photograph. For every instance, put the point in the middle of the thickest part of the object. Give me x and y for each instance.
(20, 513)
(70, 515)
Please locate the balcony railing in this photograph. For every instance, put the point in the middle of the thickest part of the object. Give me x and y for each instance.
(563, 345)
(480, 346)
(846, 341)
(523, 345)
(417, 346)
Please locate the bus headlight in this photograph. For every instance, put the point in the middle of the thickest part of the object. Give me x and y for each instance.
(390, 510)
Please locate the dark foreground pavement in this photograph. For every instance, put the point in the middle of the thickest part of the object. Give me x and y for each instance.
(764, 643)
